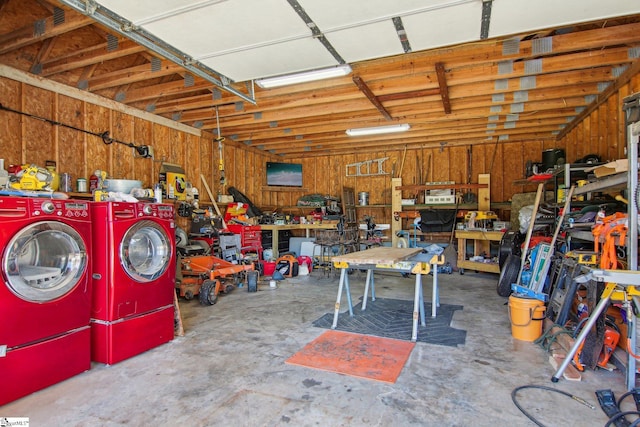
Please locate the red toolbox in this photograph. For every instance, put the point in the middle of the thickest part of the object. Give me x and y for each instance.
(250, 237)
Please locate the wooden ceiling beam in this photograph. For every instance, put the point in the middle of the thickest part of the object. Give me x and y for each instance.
(624, 78)
(478, 127)
(133, 74)
(462, 140)
(95, 55)
(86, 74)
(323, 106)
(25, 36)
(334, 94)
(407, 95)
(444, 90)
(43, 53)
(479, 54)
(371, 97)
(557, 117)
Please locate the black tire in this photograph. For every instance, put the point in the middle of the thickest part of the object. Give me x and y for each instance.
(208, 293)
(508, 275)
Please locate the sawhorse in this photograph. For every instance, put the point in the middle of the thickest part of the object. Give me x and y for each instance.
(416, 267)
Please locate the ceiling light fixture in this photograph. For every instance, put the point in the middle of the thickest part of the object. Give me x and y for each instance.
(378, 130)
(307, 76)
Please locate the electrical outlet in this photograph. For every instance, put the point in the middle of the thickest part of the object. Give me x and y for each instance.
(144, 151)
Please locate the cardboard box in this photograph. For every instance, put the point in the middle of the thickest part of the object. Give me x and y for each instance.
(173, 182)
(611, 168)
(225, 198)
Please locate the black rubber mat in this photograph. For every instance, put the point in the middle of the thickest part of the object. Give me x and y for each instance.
(391, 318)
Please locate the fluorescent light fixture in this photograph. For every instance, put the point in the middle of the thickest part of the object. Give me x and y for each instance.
(378, 130)
(307, 76)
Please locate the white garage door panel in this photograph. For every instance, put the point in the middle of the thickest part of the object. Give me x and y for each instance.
(141, 10)
(517, 16)
(331, 15)
(444, 27)
(366, 42)
(293, 56)
(222, 28)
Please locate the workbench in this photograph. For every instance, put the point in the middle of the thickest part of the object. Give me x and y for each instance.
(481, 239)
(307, 227)
(389, 259)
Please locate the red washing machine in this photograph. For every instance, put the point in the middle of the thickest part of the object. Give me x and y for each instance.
(134, 269)
(45, 297)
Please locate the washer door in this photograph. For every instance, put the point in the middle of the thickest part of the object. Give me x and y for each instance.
(145, 251)
(44, 261)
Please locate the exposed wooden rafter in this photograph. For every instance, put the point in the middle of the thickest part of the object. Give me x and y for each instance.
(25, 36)
(444, 90)
(624, 78)
(510, 95)
(371, 97)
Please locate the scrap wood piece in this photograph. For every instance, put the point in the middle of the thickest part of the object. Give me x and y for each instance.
(570, 373)
(177, 317)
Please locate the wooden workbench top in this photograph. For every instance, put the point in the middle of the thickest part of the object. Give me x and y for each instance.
(377, 255)
(325, 226)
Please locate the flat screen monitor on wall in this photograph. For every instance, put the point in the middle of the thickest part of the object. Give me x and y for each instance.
(284, 174)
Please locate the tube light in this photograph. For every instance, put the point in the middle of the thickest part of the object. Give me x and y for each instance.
(378, 130)
(307, 76)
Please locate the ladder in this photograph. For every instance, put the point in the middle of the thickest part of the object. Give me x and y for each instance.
(365, 168)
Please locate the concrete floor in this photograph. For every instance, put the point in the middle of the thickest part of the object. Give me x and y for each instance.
(229, 370)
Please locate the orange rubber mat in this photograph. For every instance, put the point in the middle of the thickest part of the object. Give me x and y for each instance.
(364, 356)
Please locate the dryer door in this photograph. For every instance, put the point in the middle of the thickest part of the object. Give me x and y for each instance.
(145, 251)
(44, 261)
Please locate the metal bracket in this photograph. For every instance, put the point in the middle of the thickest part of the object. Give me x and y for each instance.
(421, 268)
(437, 260)
(341, 264)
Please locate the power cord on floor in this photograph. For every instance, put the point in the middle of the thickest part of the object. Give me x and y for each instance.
(541, 387)
(548, 338)
(619, 416)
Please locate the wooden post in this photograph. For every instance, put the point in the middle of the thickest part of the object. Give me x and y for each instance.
(484, 194)
(484, 204)
(396, 206)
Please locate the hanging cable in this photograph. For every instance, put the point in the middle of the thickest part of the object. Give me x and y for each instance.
(142, 150)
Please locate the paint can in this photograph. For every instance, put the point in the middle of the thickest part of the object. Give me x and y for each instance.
(363, 198)
(66, 183)
(81, 185)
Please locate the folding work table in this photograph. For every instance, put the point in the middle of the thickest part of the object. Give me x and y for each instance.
(382, 258)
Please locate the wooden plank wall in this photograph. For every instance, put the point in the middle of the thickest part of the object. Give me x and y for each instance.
(27, 140)
(603, 131)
